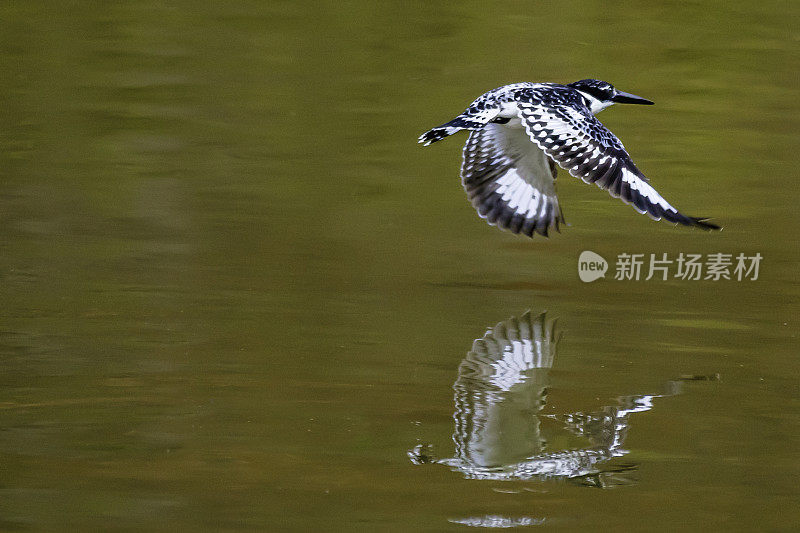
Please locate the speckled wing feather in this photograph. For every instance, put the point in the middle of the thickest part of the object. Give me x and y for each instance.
(510, 181)
(580, 144)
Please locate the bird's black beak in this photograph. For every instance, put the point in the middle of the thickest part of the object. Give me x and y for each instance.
(628, 98)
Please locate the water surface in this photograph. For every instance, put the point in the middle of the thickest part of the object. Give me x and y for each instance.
(236, 294)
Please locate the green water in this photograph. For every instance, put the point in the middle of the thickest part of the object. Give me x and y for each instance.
(236, 294)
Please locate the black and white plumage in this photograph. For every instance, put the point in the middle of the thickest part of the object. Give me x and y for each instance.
(520, 133)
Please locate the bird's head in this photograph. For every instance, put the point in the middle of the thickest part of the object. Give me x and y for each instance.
(601, 94)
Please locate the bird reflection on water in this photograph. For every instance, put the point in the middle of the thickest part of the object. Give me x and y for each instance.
(500, 392)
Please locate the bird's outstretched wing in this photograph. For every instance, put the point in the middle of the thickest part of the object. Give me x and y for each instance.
(580, 144)
(510, 181)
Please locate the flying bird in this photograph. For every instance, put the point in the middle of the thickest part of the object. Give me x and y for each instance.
(520, 134)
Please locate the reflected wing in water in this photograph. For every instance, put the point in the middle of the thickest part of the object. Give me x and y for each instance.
(507, 353)
(500, 388)
(500, 391)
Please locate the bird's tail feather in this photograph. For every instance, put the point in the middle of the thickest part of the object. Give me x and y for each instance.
(445, 130)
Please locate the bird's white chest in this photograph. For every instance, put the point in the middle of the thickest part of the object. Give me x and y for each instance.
(510, 111)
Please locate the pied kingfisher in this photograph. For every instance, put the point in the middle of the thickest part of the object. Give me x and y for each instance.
(520, 132)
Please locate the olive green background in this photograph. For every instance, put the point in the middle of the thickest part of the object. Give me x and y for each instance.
(234, 291)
